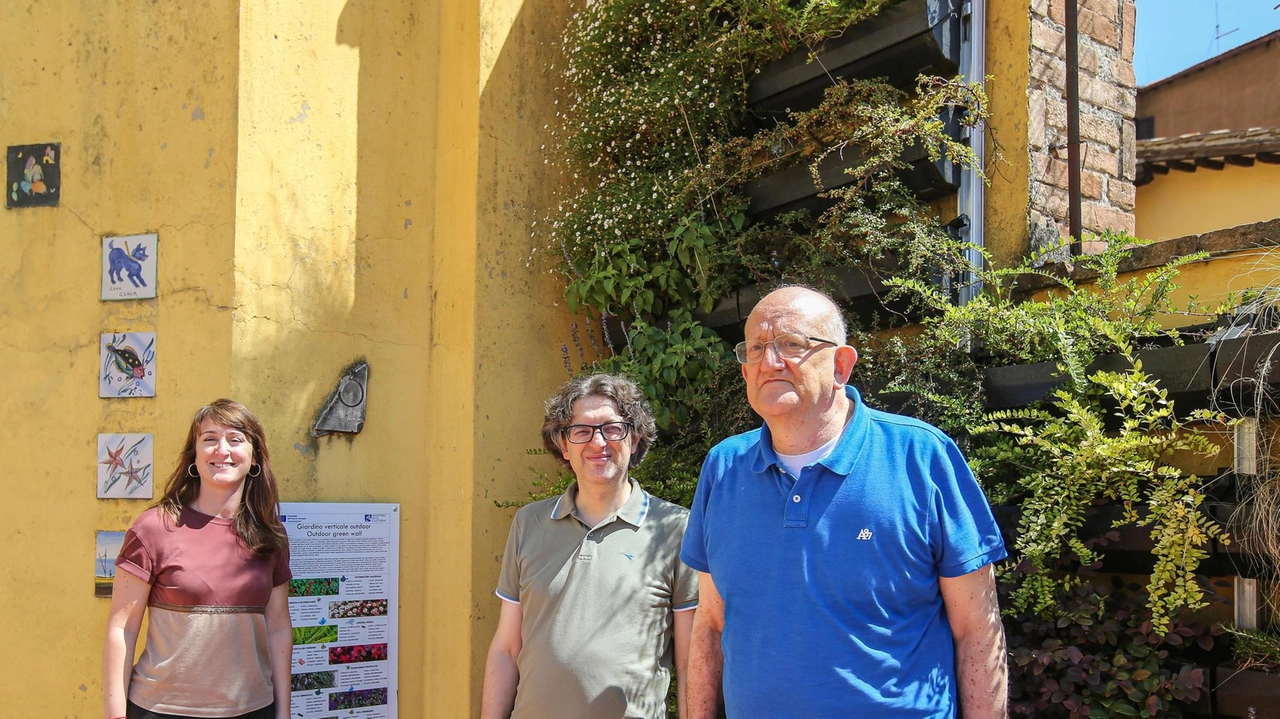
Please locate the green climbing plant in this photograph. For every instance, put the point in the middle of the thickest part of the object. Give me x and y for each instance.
(650, 227)
(654, 153)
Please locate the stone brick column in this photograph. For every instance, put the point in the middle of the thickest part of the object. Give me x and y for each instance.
(1108, 97)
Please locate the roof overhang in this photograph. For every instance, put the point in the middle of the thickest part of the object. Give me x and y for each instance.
(1206, 150)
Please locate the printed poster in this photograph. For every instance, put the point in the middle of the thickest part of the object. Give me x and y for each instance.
(343, 600)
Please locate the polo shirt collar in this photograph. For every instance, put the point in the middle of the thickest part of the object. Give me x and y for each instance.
(842, 458)
(633, 512)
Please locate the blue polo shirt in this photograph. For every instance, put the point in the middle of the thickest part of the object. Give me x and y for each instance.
(830, 580)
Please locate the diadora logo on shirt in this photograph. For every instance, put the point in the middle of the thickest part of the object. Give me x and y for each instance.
(865, 534)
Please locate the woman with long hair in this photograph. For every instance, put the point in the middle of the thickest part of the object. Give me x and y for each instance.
(209, 562)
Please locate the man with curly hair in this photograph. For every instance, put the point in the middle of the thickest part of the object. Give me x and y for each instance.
(597, 608)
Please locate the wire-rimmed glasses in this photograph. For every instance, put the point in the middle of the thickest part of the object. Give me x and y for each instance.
(787, 345)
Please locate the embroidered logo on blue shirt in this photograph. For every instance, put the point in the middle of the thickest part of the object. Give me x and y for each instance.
(865, 534)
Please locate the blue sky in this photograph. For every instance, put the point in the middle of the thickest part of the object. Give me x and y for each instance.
(1173, 35)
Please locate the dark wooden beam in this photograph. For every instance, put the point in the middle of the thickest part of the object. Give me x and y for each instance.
(1239, 160)
(1210, 163)
(1158, 168)
(1243, 144)
(1270, 158)
(1182, 165)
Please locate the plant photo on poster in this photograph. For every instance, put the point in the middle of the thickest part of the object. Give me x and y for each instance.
(315, 635)
(129, 267)
(313, 587)
(357, 698)
(34, 175)
(104, 565)
(125, 466)
(127, 365)
(357, 654)
(358, 608)
(311, 681)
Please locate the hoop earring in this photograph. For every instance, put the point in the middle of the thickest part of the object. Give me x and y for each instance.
(257, 467)
(191, 470)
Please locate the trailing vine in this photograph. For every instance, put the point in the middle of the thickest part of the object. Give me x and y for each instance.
(1104, 436)
(1071, 460)
(651, 222)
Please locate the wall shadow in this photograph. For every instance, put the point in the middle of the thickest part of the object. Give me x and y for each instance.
(390, 319)
(521, 321)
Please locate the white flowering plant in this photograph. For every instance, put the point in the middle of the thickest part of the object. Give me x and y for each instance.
(653, 148)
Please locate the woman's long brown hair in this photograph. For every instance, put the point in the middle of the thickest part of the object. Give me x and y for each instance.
(257, 523)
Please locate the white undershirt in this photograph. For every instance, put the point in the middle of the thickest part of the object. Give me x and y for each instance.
(793, 463)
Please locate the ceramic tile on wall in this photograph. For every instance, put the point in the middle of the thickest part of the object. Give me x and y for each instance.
(127, 366)
(104, 563)
(125, 466)
(34, 175)
(129, 267)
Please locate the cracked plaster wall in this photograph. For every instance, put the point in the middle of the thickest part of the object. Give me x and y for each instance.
(142, 98)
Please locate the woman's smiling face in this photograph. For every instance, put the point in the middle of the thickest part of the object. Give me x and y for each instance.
(223, 455)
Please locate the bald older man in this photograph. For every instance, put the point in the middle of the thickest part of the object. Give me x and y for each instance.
(844, 554)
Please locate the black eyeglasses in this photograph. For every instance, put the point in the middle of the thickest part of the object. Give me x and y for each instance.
(611, 431)
(786, 345)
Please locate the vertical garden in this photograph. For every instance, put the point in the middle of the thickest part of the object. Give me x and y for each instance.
(683, 188)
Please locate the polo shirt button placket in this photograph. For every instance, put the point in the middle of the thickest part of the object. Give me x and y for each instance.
(796, 512)
(586, 550)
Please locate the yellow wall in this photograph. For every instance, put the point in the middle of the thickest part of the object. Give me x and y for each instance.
(1206, 285)
(1008, 164)
(1190, 203)
(142, 97)
(1213, 281)
(331, 181)
(518, 361)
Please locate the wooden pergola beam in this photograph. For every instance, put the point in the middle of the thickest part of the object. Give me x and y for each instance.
(1239, 160)
(1210, 163)
(1270, 158)
(1181, 165)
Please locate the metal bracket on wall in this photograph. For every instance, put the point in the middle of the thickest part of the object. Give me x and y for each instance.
(1245, 436)
(344, 410)
(1246, 604)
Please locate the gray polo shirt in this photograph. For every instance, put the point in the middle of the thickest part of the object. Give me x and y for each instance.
(597, 606)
